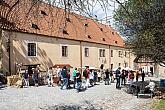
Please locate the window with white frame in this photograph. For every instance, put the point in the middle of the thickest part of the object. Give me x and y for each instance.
(31, 49)
(125, 64)
(86, 52)
(120, 53)
(102, 52)
(111, 53)
(126, 54)
(64, 51)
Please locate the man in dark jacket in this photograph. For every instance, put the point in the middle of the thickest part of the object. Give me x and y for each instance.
(107, 78)
(143, 75)
(64, 77)
(118, 74)
(79, 81)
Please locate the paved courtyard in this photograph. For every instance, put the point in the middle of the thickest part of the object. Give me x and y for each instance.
(99, 97)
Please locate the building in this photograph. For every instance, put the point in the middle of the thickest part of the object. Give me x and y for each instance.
(47, 35)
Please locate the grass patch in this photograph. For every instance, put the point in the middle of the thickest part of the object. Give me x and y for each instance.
(160, 105)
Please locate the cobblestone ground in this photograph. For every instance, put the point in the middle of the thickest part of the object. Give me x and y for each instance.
(99, 97)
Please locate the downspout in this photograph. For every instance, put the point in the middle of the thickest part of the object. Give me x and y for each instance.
(1, 48)
(81, 56)
(129, 58)
(9, 50)
(109, 57)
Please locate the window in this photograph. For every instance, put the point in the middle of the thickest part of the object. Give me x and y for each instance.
(89, 36)
(86, 52)
(126, 54)
(64, 51)
(86, 24)
(35, 26)
(125, 64)
(102, 52)
(64, 31)
(115, 42)
(111, 66)
(43, 12)
(31, 49)
(120, 54)
(119, 64)
(111, 53)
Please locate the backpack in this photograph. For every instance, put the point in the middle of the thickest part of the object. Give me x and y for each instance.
(85, 73)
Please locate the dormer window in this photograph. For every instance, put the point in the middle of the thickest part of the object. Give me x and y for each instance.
(64, 31)
(43, 13)
(89, 36)
(35, 26)
(86, 24)
(113, 33)
(68, 19)
(115, 42)
(101, 29)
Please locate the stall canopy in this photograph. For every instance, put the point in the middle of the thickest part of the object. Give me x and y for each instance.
(90, 67)
(62, 65)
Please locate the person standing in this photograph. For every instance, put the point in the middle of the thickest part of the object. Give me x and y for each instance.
(79, 81)
(64, 77)
(86, 74)
(74, 77)
(95, 77)
(107, 77)
(59, 75)
(36, 76)
(26, 78)
(143, 75)
(50, 77)
(118, 73)
(137, 76)
(68, 76)
(123, 77)
(99, 75)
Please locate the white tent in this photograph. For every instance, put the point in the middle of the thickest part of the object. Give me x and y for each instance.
(90, 67)
(127, 68)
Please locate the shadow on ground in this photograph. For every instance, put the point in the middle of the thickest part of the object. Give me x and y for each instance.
(86, 106)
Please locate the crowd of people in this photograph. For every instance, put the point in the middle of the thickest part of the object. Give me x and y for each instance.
(86, 79)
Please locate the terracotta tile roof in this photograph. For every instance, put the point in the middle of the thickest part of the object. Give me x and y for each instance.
(51, 21)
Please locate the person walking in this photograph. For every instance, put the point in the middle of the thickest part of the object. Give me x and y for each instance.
(74, 77)
(118, 73)
(64, 77)
(79, 81)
